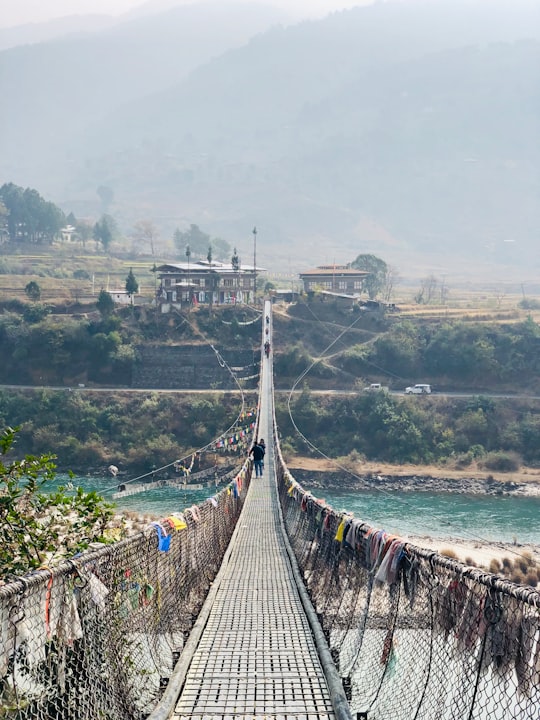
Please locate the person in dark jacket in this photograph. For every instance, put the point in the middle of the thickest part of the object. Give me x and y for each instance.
(263, 445)
(257, 452)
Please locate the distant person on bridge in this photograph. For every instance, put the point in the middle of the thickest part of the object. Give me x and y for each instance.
(262, 444)
(258, 455)
(267, 348)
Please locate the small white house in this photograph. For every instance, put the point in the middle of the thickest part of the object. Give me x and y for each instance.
(121, 297)
(68, 233)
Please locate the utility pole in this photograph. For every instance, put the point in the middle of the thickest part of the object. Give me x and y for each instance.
(254, 265)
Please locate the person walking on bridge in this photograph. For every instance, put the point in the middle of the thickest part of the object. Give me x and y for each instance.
(258, 454)
(262, 445)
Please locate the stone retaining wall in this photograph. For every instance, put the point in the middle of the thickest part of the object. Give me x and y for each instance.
(195, 367)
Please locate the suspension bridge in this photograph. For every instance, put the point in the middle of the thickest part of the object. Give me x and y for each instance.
(265, 603)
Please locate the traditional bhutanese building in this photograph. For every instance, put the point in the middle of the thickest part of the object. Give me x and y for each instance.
(334, 278)
(183, 284)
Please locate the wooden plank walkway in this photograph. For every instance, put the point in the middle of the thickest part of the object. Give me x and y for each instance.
(257, 657)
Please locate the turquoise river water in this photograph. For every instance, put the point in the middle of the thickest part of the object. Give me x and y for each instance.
(486, 517)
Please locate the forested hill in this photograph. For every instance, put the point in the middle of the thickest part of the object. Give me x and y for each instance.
(104, 348)
(406, 128)
(139, 430)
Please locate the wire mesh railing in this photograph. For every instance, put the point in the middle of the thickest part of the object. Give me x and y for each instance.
(414, 634)
(98, 636)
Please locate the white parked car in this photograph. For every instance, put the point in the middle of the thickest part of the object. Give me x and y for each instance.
(418, 389)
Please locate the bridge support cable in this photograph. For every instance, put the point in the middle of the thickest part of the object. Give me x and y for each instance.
(255, 653)
(149, 485)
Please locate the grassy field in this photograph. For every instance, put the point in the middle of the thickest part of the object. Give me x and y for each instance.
(69, 275)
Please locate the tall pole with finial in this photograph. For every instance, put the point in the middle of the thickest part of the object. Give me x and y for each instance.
(254, 265)
(188, 255)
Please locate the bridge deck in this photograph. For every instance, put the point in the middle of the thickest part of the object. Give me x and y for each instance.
(257, 657)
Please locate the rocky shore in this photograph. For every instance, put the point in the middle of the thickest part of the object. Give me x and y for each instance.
(324, 479)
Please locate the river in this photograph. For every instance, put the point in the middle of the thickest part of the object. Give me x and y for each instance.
(503, 518)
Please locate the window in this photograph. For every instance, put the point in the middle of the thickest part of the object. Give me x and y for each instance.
(357, 284)
(328, 284)
(167, 282)
(342, 285)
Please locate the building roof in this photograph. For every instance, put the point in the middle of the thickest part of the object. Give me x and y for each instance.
(342, 296)
(201, 266)
(331, 271)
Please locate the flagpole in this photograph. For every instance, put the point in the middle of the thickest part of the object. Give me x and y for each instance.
(255, 265)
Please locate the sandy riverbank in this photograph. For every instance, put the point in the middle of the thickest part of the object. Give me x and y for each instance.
(476, 552)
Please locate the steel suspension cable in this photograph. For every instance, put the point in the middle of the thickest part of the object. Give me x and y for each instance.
(443, 521)
(202, 449)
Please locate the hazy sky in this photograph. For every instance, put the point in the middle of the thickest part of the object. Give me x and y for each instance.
(19, 12)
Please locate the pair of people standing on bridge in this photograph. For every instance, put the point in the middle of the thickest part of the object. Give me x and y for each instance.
(258, 451)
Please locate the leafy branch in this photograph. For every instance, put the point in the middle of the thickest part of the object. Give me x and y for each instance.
(38, 527)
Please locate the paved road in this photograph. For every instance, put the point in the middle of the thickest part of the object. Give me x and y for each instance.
(188, 391)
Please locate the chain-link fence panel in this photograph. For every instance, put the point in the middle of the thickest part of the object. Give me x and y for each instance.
(415, 635)
(98, 636)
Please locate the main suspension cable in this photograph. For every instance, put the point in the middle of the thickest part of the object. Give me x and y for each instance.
(443, 521)
(204, 448)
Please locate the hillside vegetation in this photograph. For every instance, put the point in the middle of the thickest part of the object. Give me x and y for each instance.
(89, 429)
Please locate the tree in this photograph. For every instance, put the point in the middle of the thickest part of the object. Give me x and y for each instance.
(145, 231)
(104, 231)
(374, 283)
(427, 290)
(30, 218)
(39, 528)
(4, 213)
(32, 290)
(105, 303)
(392, 278)
(209, 255)
(35, 313)
(84, 231)
(235, 261)
(154, 270)
(132, 286)
(221, 248)
(178, 239)
(194, 237)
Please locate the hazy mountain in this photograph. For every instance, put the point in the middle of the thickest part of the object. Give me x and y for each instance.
(33, 33)
(404, 129)
(56, 90)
